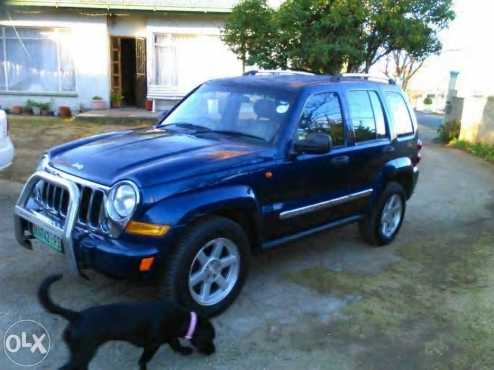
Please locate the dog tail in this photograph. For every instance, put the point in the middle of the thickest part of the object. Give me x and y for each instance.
(48, 304)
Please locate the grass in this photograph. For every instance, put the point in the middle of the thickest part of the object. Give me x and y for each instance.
(435, 305)
(34, 135)
(484, 151)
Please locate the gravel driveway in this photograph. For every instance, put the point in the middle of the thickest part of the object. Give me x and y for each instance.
(326, 302)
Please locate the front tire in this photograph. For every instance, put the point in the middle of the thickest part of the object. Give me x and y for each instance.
(208, 267)
(384, 221)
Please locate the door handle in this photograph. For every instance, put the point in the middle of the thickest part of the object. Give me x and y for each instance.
(340, 160)
(389, 149)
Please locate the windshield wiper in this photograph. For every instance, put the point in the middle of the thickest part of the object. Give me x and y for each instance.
(237, 133)
(188, 126)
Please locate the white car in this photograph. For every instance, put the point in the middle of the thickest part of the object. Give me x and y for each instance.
(6, 147)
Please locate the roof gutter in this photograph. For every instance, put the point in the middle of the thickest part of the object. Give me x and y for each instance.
(111, 5)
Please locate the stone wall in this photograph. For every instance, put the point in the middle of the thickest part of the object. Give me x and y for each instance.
(486, 129)
(476, 115)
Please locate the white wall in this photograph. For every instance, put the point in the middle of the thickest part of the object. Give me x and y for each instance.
(208, 58)
(90, 50)
(128, 26)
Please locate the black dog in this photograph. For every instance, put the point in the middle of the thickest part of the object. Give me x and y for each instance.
(147, 325)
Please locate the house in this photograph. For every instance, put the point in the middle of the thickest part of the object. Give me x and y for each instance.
(68, 51)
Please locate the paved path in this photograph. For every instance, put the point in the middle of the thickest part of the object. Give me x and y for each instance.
(276, 323)
(432, 121)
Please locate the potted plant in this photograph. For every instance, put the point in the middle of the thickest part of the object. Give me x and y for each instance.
(45, 109)
(116, 100)
(97, 103)
(17, 109)
(33, 106)
(148, 105)
(64, 112)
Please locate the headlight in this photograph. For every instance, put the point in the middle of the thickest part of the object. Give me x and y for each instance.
(43, 162)
(122, 201)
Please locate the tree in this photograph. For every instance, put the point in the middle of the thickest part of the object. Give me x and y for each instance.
(402, 25)
(249, 32)
(327, 36)
(404, 66)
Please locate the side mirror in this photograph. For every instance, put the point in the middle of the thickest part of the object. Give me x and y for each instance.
(314, 143)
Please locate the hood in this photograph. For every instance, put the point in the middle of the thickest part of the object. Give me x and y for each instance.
(152, 156)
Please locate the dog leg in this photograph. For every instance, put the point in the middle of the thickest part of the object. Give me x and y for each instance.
(146, 356)
(177, 347)
(79, 360)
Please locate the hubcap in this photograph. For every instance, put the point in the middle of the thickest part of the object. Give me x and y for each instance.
(214, 271)
(391, 215)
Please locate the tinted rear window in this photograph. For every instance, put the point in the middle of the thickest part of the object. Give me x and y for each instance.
(401, 116)
(367, 115)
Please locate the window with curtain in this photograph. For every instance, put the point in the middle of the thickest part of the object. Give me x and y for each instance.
(165, 64)
(36, 60)
(176, 58)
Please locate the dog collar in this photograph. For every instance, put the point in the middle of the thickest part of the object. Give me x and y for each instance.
(192, 326)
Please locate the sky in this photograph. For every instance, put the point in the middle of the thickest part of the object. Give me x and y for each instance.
(468, 47)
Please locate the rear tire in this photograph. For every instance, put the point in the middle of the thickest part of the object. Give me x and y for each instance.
(384, 221)
(208, 267)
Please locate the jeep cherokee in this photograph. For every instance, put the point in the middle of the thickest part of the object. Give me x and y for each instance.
(241, 165)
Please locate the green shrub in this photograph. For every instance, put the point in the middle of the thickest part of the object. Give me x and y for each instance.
(449, 131)
(428, 101)
(484, 151)
(43, 106)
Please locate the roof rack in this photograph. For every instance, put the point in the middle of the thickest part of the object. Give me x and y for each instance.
(276, 72)
(364, 76)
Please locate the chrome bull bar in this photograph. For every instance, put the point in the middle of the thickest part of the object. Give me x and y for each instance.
(35, 218)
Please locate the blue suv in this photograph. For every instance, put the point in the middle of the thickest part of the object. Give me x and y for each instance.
(239, 166)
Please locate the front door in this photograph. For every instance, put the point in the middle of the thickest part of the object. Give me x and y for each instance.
(141, 79)
(310, 186)
(116, 66)
(128, 70)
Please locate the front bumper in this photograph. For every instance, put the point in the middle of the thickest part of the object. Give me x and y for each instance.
(82, 248)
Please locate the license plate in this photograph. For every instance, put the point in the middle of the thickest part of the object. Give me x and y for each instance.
(47, 238)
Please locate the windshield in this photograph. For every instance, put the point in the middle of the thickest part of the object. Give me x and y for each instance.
(233, 110)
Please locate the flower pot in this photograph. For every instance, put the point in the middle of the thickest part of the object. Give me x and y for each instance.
(116, 104)
(98, 104)
(17, 109)
(36, 111)
(64, 112)
(148, 104)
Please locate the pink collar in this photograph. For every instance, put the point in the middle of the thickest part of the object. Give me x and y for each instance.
(192, 326)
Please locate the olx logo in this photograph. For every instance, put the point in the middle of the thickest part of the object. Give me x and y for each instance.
(26, 343)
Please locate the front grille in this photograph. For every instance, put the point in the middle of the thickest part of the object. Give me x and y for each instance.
(55, 200)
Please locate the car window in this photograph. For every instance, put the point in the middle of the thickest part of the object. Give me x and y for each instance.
(401, 115)
(240, 110)
(366, 115)
(377, 107)
(322, 113)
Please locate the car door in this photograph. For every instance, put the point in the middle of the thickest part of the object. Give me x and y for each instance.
(309, 183)
(371, 143)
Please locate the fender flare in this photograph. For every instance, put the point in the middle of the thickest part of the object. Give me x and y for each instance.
(401, 170)
(182, 210)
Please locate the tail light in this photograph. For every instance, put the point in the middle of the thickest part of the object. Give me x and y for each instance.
(4, 124)
(419, 154)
